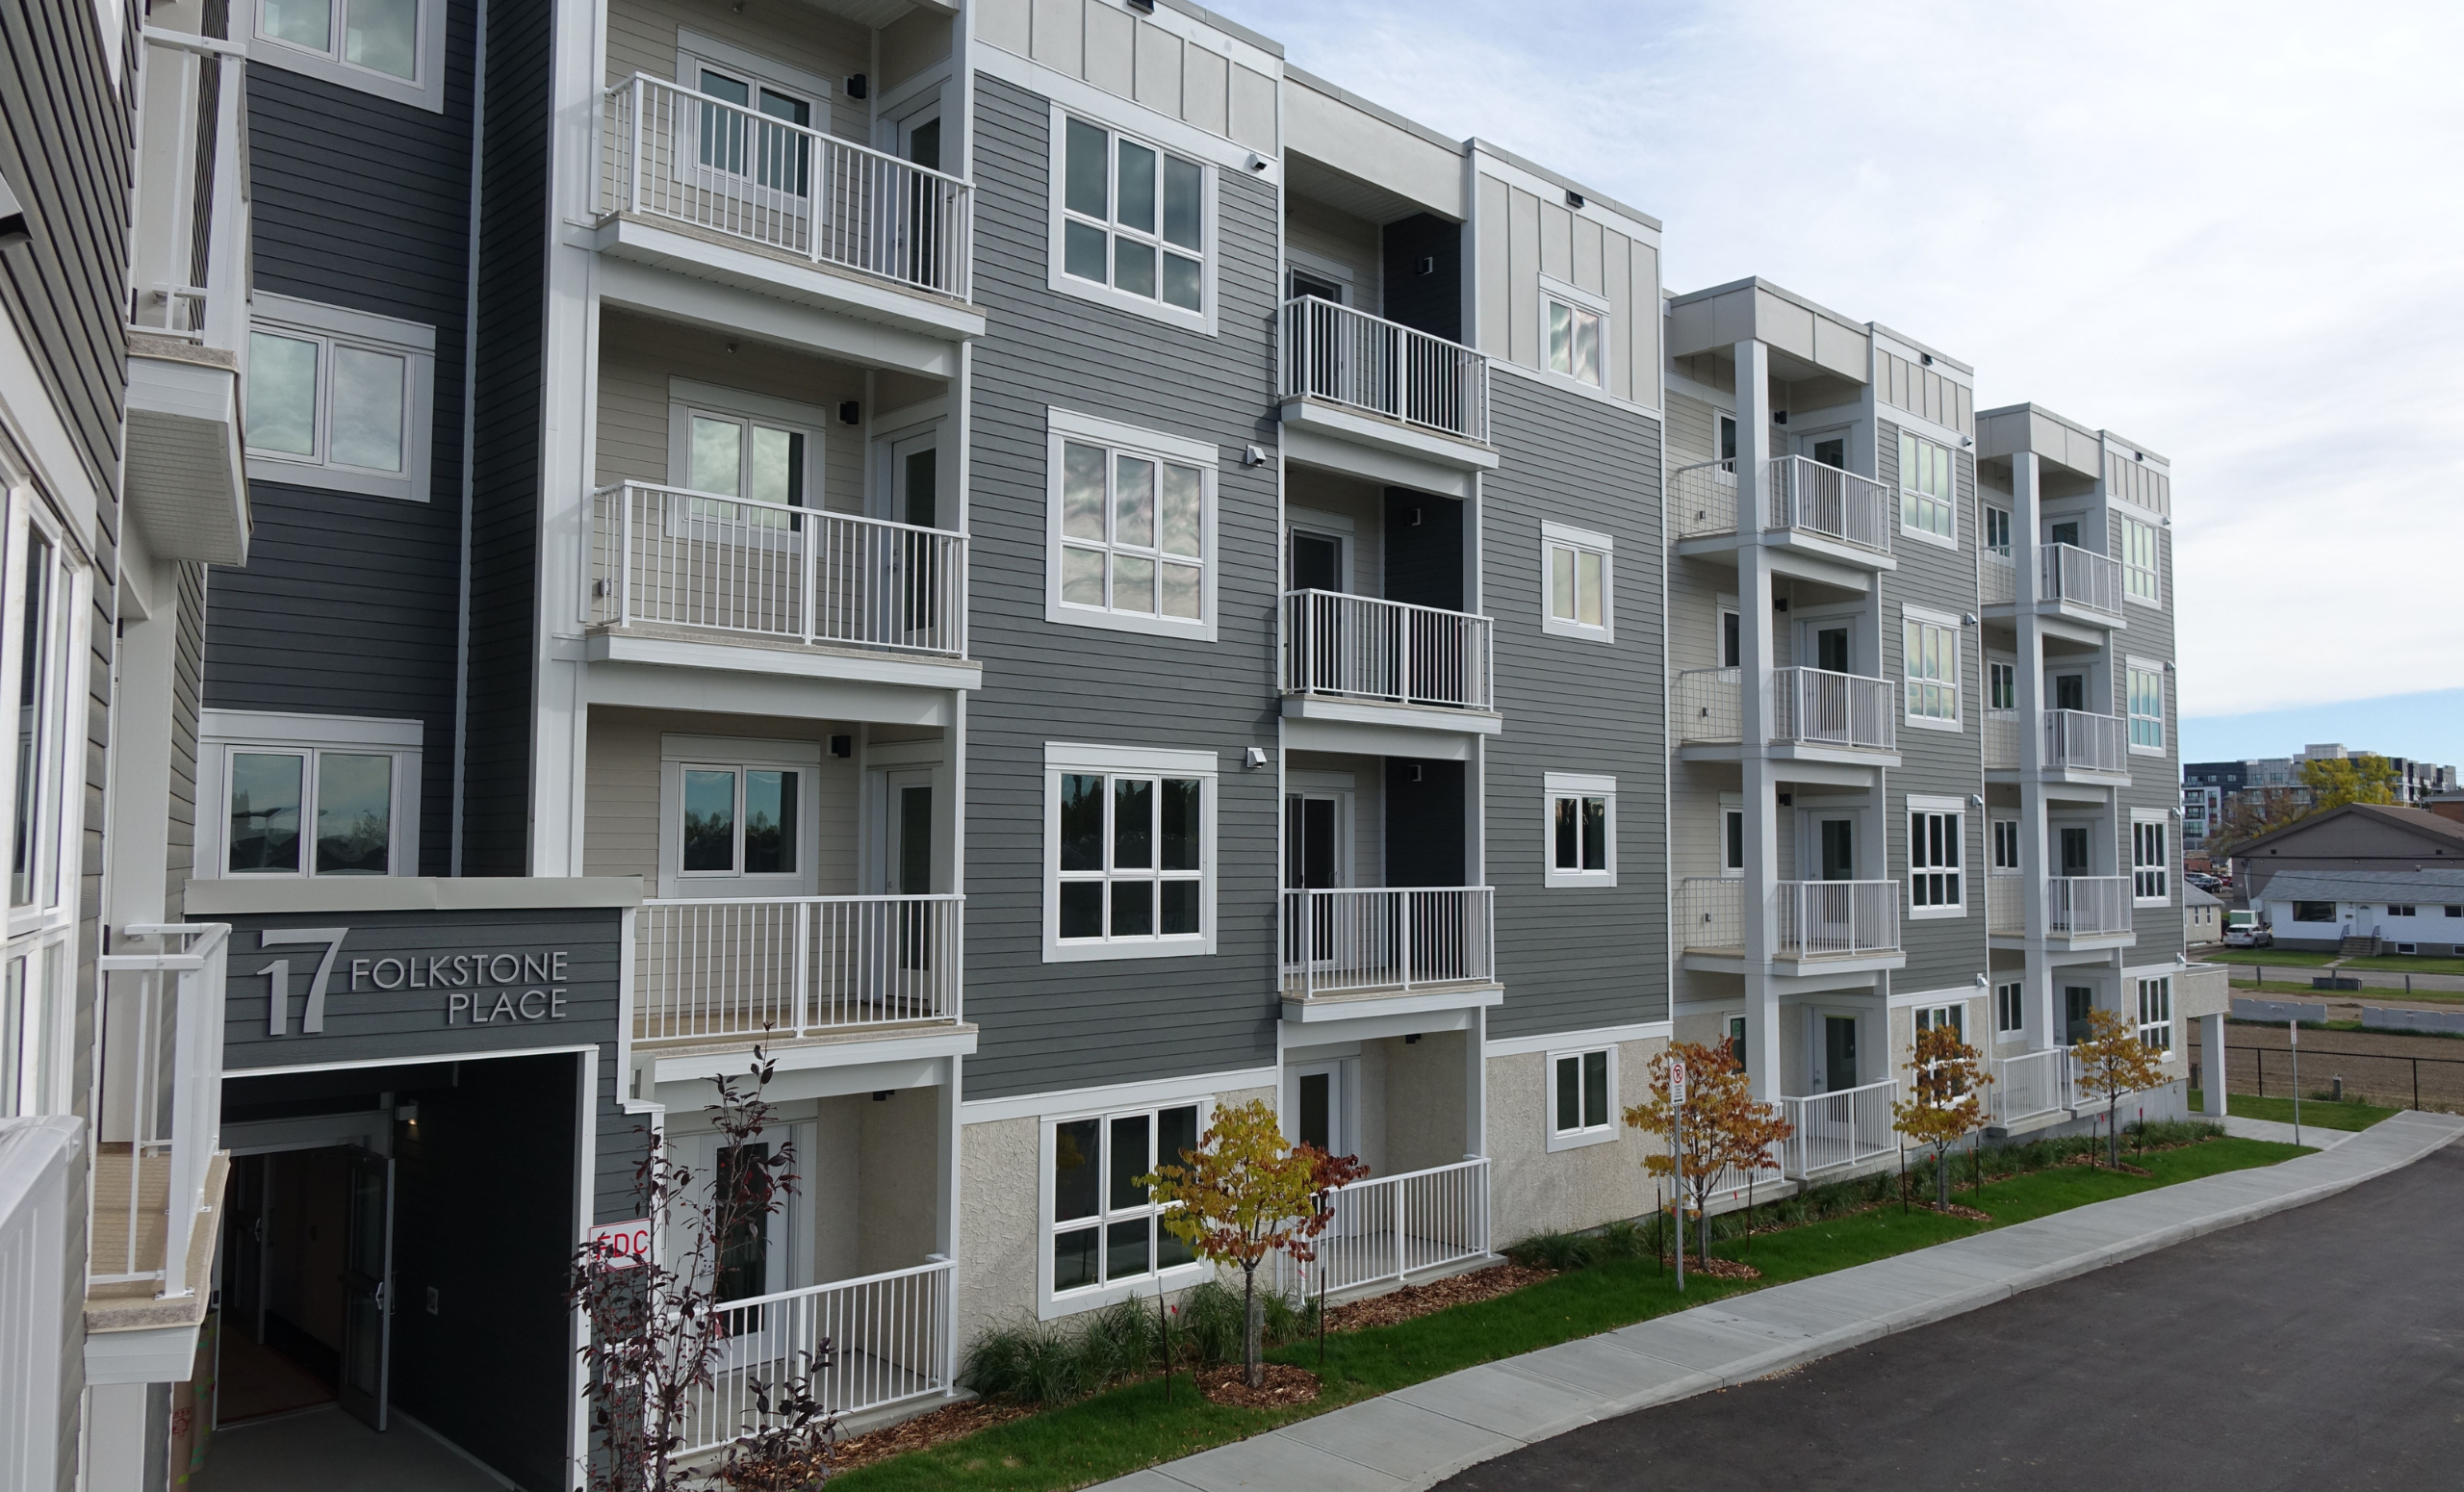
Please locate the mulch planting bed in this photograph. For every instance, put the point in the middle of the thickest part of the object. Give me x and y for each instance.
(1416, 1300)
(1722, 1269)
(925, 1429)
(1285, 1386)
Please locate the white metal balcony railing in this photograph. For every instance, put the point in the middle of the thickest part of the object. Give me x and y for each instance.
(1387, 1228)
(674, 153)
(1710, 913)
(1816, 706)
(2031, 1084)
(887, 1337)
(672, 556)
(1346, 939)
(158, 1102)
(189, 237)
(2081, 577)
(1822, 499)
(1702, 500)
(1345, 357)
(1706, 706)
(38, 1162)
(2079, 741)
(793, 966)
(2087, 906)
(1837, 1129)
(1837, 918)
(2006, 910)
(1365, 648)
(1999, 584)
(2001, 740)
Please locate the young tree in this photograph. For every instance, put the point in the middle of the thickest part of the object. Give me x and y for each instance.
(1725, 1125)
(1946, 1098)
(1243, 1195)
(657, 1327)
(2333, 782)
(2113, 1062)
(2251, 812)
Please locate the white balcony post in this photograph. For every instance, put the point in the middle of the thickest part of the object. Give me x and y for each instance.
(1401, 902)
(1754, 711)
(2035, 862)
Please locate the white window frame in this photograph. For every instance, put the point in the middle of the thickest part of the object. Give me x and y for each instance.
(1918, 616)
(1050, 1303)
(2153, 1013)
(1553, 291)
(328, 325)
(2001, 683)
(1725, 470)
(1953, 1013)
(1582, 1134)
(1724, 611)
(222, 733)
(2132, 670)
(1732, 812)
(687, 398)
(38, 1069)
(739, 755)
(2141, 584)
(1066, 425)
(1921, 871)
(1062, 758)
(1156, 307)
(1922, 503)
(1554, 537)
(1996, 517)
(1574, 785)
(425, 90)
(2147, 826)
(2003, 853)
(2010, 1007)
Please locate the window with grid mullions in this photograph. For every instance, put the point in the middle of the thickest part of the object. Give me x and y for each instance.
(1130, 850)
(2149, 868)
(1133, 216)
(1132, 533)
(1106, 1228)
(1933, 861)
(1926, 487)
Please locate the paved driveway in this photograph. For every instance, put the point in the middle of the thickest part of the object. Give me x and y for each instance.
(2318, 1348)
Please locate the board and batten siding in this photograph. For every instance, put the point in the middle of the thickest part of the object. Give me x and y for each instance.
(1575, 958)
(1138, 59)
(1063, 1025)
(1942, 952)
(1523, 237)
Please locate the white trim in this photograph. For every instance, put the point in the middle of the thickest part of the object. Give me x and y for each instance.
(425, 91)
(1556, 1040)
(764, 750)
(1946, 996)
(694, 46)
(1063, 426)
(1319, 267)
(1562, 536)
(2131, 664)
(1060, 281)
(1927, 616)
(1061, 758)
(1602, 1133)
(1145, 1092)
(720, 398)
(1049, 1303)
(1096, 427)
(1575, 785)
(310, 730)
(679, 754)
(1931, 803)
(1955, 810)
(222, 731)
(1579, 298)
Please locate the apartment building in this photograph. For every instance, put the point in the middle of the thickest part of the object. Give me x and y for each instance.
(1035, 564)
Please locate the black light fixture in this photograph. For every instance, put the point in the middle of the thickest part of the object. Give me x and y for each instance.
(1574, 199)
(1787, 799)
(850, 412)
(1778, 602)
(882, 1095)
(1142, 7)
(857, 86)
(1779, 416)
(1415, 515)
(842, 746)
(1413, 1040)
(1427, 264)
(1928, 357)
(1419, 772)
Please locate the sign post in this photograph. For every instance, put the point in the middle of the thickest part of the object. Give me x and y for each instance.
(2293, 1037)
(1676, 1158)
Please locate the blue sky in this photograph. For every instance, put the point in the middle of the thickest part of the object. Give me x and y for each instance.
(2226, 231)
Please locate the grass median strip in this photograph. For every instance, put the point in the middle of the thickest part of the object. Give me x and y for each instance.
(2321, 1112)
(1122, 1430)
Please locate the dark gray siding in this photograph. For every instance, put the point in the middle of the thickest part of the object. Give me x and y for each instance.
(188, 682)
(1575, 958)
(1432, 300)
(1051, 1026)
(1942, 952)
(1425, 549)
(504, 537)
(66, 149)
(347, 605)
(2155, 780)
(1425, 826)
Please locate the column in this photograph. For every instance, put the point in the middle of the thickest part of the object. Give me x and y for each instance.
(1759, 787)
(2042, 1028)
(2211, 1062)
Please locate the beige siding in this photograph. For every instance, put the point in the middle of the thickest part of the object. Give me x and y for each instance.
(638, 357)
(621, 822)
(642, 37)
(1692, 436)
(1351, 242)
(1136, 59)
(911, 43)
(1523, 237)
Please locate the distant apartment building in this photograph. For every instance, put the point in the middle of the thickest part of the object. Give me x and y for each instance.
(2210, 788)
(1043, 566)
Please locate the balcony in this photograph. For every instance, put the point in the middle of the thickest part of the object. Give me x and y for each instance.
(670, 564)
(1384, 384)
(1844, 515)
(2088, 906)
(1809, 706)
(1837, 1130)
(1394, 1227)
(867, 1342)
(187, 314)
(1385, 653)
(1999, 583)
(794, 968)
(1812, 921)
(159, 1164)
(2078, 581)
(1360, 941)
(2032, 1086)
(2075, 741)
(809, 216)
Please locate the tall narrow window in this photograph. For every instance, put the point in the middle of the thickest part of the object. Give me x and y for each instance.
(2137, 543)
(2002, 686)
(2010, 1008)
(1582, 1098)
(1580, 582)
(1997, 532)
(2156, 1015)
(2150, 870)
(1926, 487)
(1931, 661)
(2005, 846)
(1133, 216)
(1933, 882)
(2146, 709)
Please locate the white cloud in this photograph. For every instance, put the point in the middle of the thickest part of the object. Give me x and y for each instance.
(2228, 231)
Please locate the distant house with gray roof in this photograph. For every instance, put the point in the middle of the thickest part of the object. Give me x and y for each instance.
(2360, 837)
(2407, 911)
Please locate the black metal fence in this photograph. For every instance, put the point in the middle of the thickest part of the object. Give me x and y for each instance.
(2390, 1079)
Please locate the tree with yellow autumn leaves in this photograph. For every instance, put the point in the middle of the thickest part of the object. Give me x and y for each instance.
(1726, 1129)
(2113, 1061)
(1946, 1099)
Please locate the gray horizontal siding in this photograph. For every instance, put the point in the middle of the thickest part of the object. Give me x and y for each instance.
(1049, 1026)
(1575, 958)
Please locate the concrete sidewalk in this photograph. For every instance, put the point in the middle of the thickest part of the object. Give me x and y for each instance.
(2317, 1137)
(1420, 1435)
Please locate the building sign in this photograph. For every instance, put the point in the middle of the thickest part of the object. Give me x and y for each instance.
(476, 989)
(621, 1246)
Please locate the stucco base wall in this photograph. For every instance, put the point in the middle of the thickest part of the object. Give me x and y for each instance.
(1532, 1190)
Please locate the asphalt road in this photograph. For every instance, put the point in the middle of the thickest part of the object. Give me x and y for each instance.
(2318, 1348)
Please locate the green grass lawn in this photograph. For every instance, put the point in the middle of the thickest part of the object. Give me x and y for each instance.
(2280, 958)
(1113, 1433)
(2366, 994)
(2409, 964)
(2314, 1111)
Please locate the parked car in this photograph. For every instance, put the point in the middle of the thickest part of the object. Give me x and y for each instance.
(2243, 929)
(2203, 881)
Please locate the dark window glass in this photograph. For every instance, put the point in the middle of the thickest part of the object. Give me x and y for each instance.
(1082, 909)
(1134, 266)
(1086, 170)
(1181, 823)
(1180, 282)
(1082, 822)
(1175, 1132)
(710, 820)
(1180, 908)
(1128, 1161)
(1184, 181)
(769, 823)
(1595, 833)
(1133, 909)
(1135, 205)
(740, 1182)
(265, 810)
(354, 813)
(1125, 1248)
(1133, 823)
(1569, 1094)
(1074, 1258)
(1595, 1089)
(1569, 835)
(1075, 1189)
(1732, 647)
(1082, 251)
(1736, 840)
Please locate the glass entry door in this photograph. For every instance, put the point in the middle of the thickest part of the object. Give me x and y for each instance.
(1839, 1053)
(1313, 860)
(368, 1288)
(909, 873)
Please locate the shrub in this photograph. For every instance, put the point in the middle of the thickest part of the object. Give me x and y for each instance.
(1053, 1362)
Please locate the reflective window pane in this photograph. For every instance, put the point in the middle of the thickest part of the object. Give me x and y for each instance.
(1181, 822)
(1134, 266)
(1082, 822)
(367, 409)
(1587, 588)
(1133, 823)
(1561, 584)
(1133, 585)
(308, 23)
(1129, 1161)
(1568, 1093)
(1586, 346)
(1183, 183)
(1180, 909)
(1561, 337)
(33, 849)
(1082, 909)
(383, 35)
(769, 823)
(1076, 1151)
(1595, 833)
(717, 457)
(1180, 507)
(1134, 502)
(710, 820)
(778, 466)
(1082, 577)
(1569, 854)
(1180, 592)
(1082, 251)
(354, 813)
(1125, 1248)
(1082, 491)
(1085, 172)
(1134, 206)
(1180, 282)
(266, 789)
(1175, 1134)
(282, 393)
(1074, 1258)
(1594, 1089)
(1133, 909)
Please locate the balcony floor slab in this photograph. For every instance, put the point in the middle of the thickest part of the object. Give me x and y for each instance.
(701, 254)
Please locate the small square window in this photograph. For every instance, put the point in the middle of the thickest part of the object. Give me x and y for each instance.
(1582, 1097)
(1578, 583)
(1581, 829)
(1927, 488)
